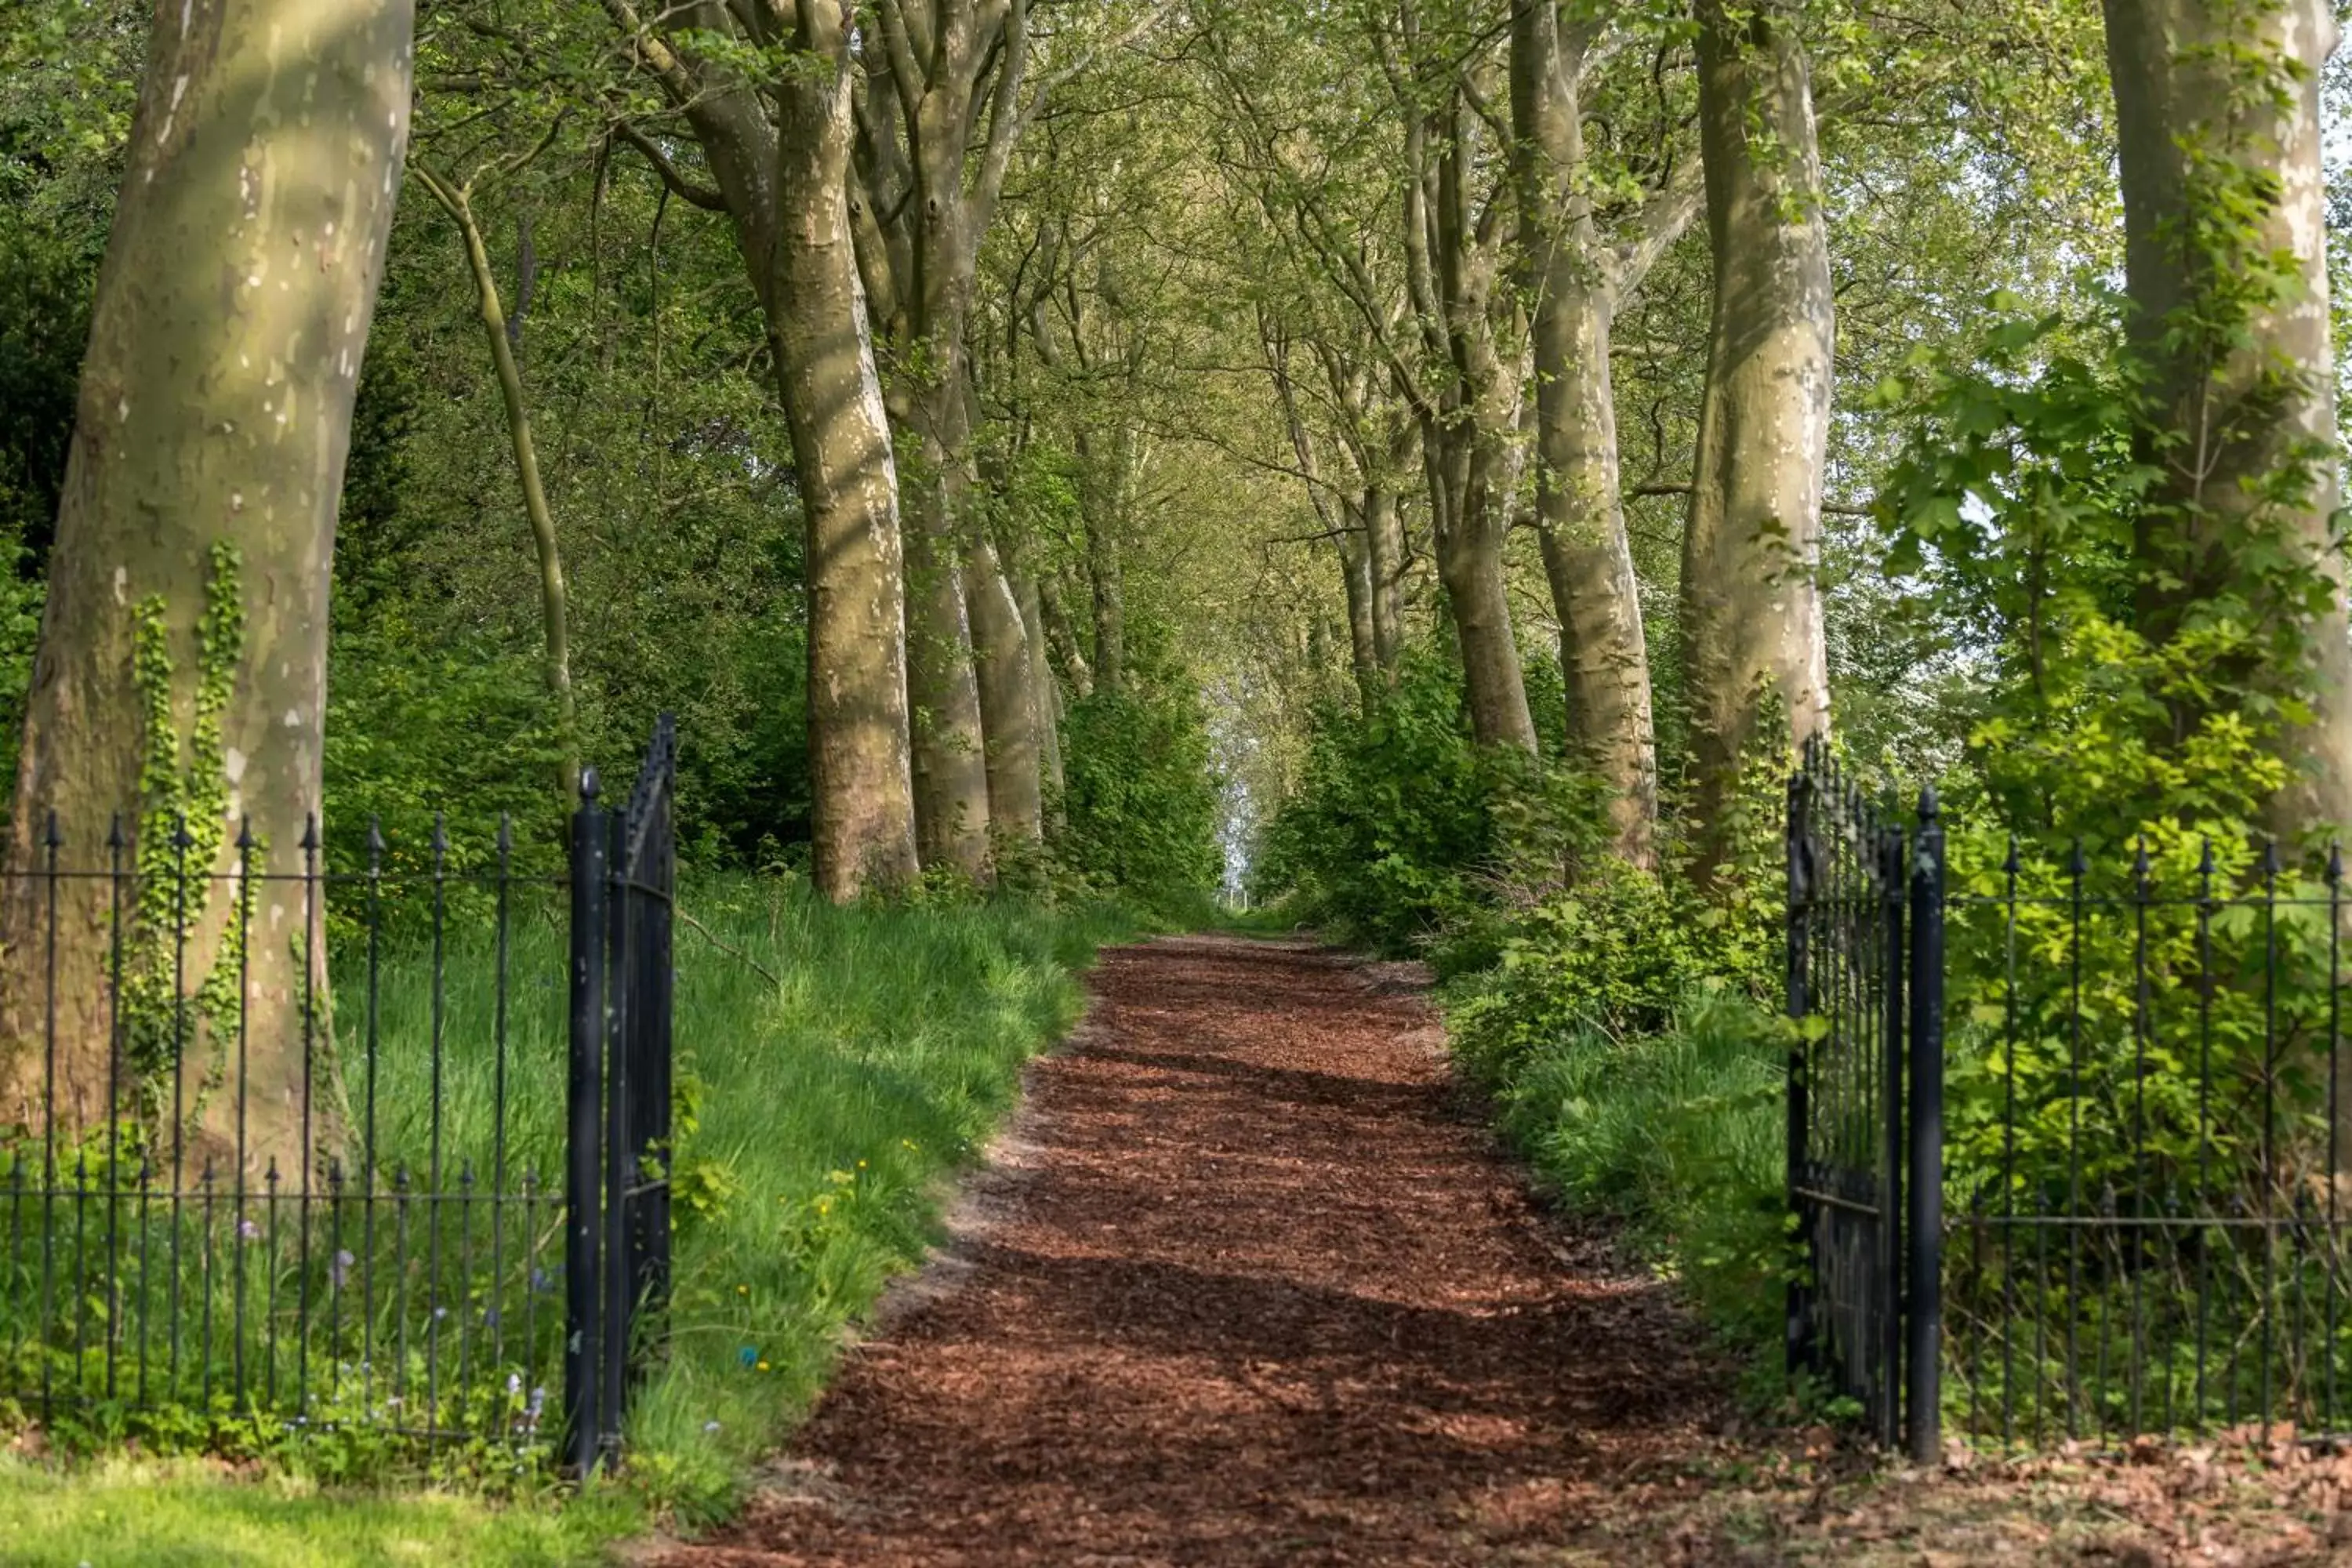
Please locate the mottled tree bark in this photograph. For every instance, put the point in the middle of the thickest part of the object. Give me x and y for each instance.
(1577, 280)
(859, 759)
(1452, 256)
(781, 181)
(945, 100)
(1105, 486)
(209, 443)
(951, 813)
(1355, 578)
(1008, 697)
(1384, 572)
(1752, 607)
(2175, 73)
(1048, 691)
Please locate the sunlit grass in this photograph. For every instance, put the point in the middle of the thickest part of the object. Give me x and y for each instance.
(836, 1067)
(151, 1515)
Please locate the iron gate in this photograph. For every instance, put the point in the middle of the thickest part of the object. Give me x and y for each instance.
(1864, 1105)
(625, 868)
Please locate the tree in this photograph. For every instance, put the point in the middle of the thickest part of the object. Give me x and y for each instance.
(780, 154)
(179, 693)
(922, 203)
(2217, 118)
(458, 201)
(1577, 282)
(1753, 638)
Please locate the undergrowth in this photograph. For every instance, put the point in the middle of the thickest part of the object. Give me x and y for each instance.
(1622, 1024)
(837, 1067)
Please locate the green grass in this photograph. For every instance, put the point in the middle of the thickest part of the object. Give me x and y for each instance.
(1679, 1134)
(827, 1110)
(155, 1515)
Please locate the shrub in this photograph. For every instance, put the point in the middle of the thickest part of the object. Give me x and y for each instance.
(1138, 802)
(1405, 832)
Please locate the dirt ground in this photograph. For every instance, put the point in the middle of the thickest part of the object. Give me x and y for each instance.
(1253, 1285)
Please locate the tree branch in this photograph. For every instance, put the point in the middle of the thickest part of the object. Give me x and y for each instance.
(1663, 219)
(685, 189)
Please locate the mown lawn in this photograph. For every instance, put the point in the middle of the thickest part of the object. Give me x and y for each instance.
(157, 1515)
(831, 1100)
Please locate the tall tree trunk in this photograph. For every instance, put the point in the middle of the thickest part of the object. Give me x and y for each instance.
(1356, 576)
(1752, 607)
(1465, 435)
(1470, 569)
(2194, 80)
(1383, 572)
(781, 181)
(1589, 563)
(859, 760)
(1049, 690)
(1104, 518)
(1008, 699)
(951, 813)
(182, 667)
(1577, 279)
(554, 602)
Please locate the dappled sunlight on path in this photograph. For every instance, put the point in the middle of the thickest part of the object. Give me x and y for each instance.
(1254, 1287)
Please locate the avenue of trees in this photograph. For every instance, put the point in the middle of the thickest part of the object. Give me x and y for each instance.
(986, 420)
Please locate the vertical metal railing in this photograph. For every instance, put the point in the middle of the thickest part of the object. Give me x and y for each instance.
(250, 1144)
(1864, 998)
(617, 1251)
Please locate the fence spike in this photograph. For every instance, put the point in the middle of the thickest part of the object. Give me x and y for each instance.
(376, 843)
(114, 832)
(2270, 857)
(589, 784)
(51, 835)
(245, 839)
(309, 832)
(2009, 864)
(180, 838)
(440, 837)
(506, 834)
(2335, 864)
(2077, 864)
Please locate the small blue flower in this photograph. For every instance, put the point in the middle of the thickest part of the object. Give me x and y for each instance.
(749, 1355)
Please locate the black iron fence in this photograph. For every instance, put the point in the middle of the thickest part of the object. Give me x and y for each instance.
(1864, 933)
(617, 1246)
(337, 1145)
(2112, 1077)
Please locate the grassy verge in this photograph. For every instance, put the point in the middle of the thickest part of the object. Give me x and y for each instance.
(827, 1102)
(1677, 1129)
(160, 1515)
